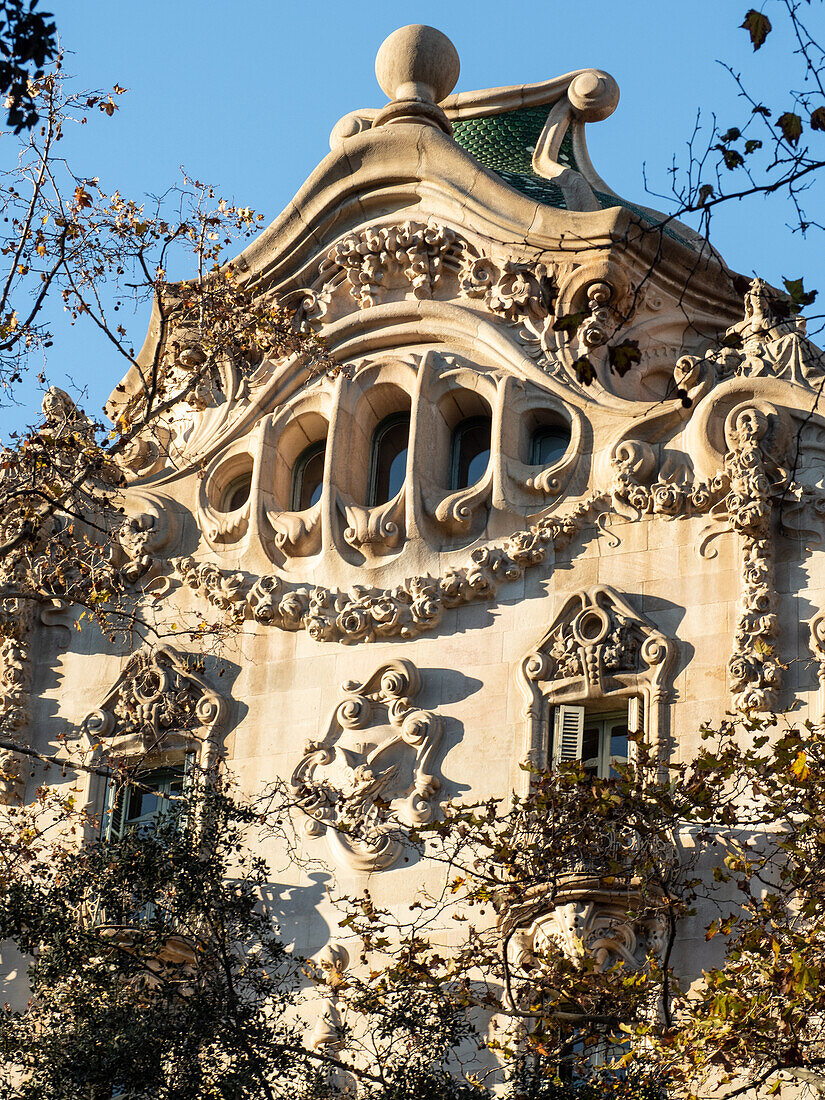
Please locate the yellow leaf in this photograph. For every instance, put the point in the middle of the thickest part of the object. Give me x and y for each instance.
(800, 766)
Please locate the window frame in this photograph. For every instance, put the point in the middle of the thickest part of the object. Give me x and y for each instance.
(310, 452)
(116, 798)
(571, 720)
(382, 429)
(468, 424)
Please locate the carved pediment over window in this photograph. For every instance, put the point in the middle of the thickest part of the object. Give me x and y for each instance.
(372, 773)
(157, 705)
(598, 648)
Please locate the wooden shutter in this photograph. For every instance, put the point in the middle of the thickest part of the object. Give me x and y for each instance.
(569, 733)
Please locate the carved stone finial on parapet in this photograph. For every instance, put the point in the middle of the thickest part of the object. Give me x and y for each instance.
(417, 67)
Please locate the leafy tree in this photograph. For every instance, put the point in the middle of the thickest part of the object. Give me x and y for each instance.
(155, 965)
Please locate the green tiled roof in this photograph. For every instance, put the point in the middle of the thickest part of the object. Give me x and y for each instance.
(505, 143)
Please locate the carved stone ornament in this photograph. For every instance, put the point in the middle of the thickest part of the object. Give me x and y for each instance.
(332, 962)
(361, 788)
(772, 343)
(585, 916)
(157, 704)
(751, 432)
(598, 647)
(816, 641)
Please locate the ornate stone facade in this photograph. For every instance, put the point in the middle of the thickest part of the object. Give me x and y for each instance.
(558, 524)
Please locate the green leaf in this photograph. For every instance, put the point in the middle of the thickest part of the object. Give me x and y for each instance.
(799, 296)
(584, 371)
(751, 145)
(791, 127)
(758, 27)
(818, 119)
(733, 134)
(623, 356)
(569, 322)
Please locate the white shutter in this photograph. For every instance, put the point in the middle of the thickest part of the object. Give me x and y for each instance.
(569, 733)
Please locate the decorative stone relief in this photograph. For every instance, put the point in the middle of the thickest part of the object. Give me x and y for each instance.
(16, 625)
(754, 671)
(598, 647)
(586, 918)
(327, 1034)
(158, 703)
(414, 249)
(772, 343)
(361, 790)
(816, 642)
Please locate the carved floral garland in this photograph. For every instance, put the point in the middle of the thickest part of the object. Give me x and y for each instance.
(366, 614)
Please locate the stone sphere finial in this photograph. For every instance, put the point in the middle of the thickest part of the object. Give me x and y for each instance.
(417, 62)
(417, 67)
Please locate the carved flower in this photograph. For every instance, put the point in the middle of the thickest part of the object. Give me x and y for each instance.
(353, 623)
(741, 670)
(319, 628)
(292, 608)
(668, 499)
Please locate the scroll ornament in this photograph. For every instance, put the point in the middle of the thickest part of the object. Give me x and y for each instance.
(156, 698)
(362, 796)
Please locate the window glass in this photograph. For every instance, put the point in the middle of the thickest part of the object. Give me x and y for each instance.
(237, 493)
(389, 458)
(548, 444)
(142, 804)
(308, 477)
(470, 451)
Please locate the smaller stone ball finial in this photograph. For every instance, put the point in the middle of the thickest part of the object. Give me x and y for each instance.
(417, 66)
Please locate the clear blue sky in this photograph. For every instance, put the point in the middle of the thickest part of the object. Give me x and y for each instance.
(243, 94)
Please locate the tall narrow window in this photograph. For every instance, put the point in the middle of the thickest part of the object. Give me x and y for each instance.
(308, 477)
(548, 444)
(469, 451)
(388, 461)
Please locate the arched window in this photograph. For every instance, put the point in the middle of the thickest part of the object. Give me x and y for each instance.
(388, 461)
(236, 493)
(548, 444)
(308, 476)
(469, 451)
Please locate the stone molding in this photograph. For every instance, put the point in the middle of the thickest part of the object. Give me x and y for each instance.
(363, 794)
(158, 705)
(597, 648)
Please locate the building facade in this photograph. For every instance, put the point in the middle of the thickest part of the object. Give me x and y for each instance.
(541, 502)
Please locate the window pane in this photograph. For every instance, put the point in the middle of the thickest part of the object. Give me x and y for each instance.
(547, 445)
(308, 478)
(591, 748)
(618, 745)
(470, 451)
(389, 458)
